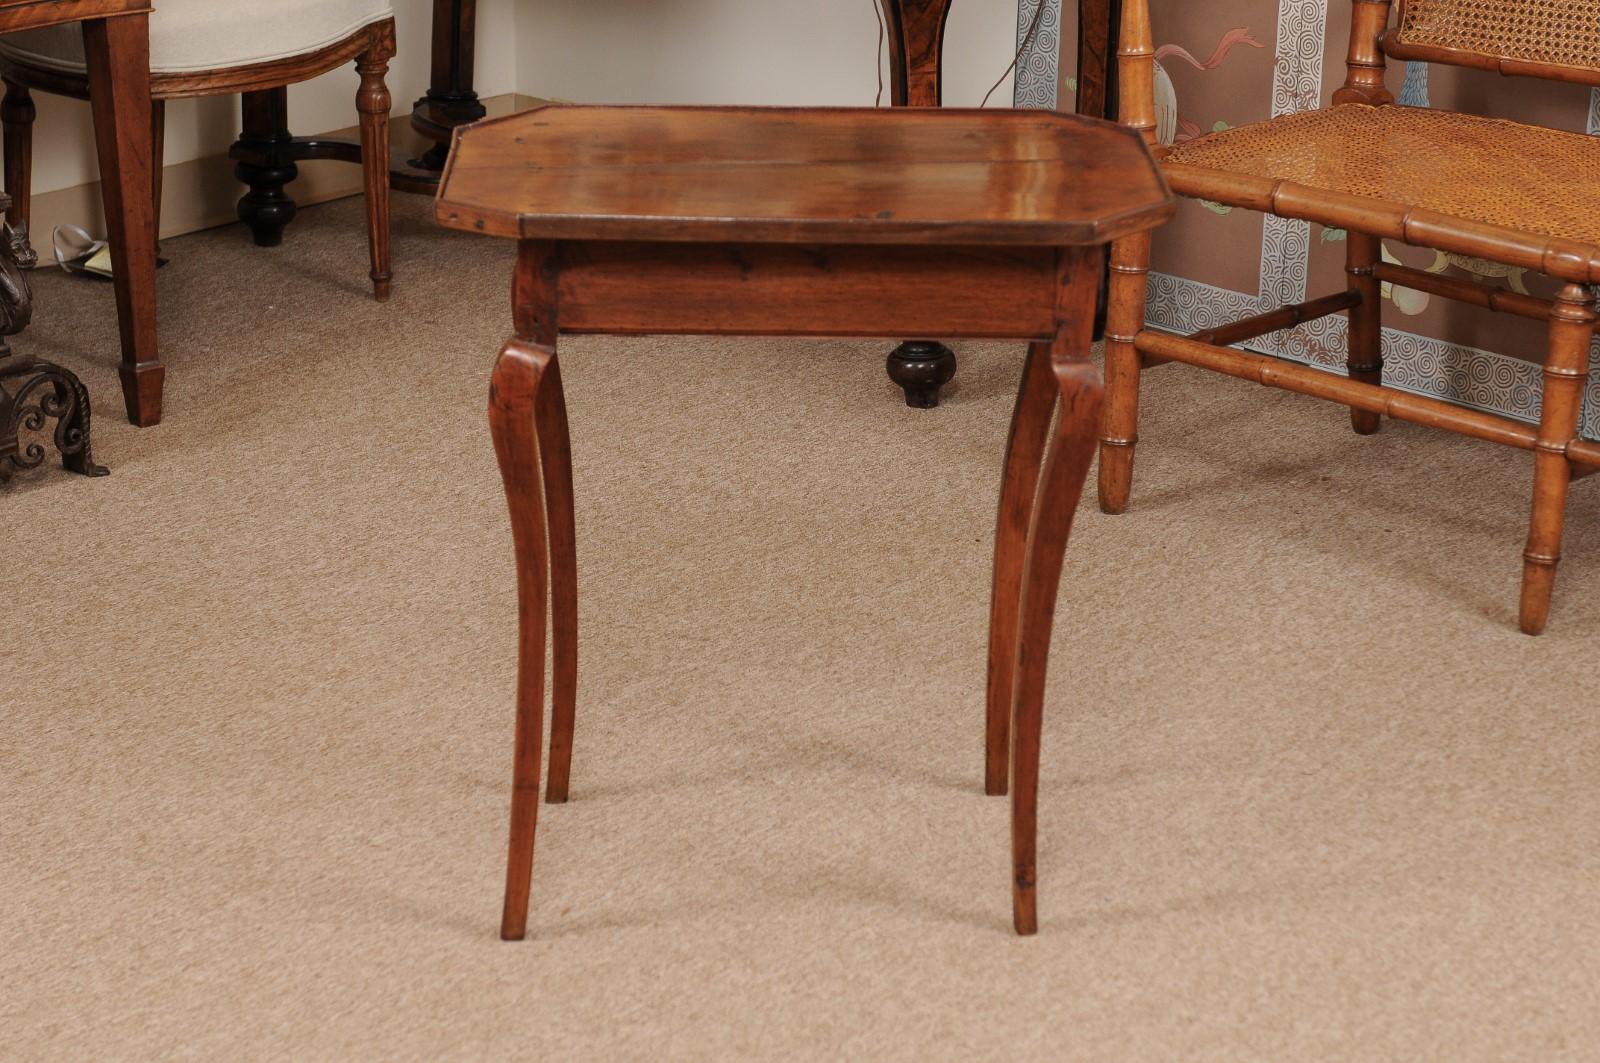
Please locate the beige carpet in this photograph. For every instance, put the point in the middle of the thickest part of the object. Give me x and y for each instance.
(1307, 792)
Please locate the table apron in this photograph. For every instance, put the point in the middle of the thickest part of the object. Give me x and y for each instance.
(800, 290)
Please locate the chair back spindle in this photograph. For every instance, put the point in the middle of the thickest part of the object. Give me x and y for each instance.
(1136, 72)
(1365, 64)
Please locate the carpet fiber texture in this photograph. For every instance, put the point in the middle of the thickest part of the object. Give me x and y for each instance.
(1307, 793)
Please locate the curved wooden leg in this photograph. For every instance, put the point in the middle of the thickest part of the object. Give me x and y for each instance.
(1066, 467)
(513, 403)
(374, 104)
(1130, 269)
(17, 112)
(1030, 427)
(1566, 369)
(555, 452)
(1365, 362)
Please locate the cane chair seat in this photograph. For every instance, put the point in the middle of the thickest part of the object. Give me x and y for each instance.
(1527, 181)
(194, 35)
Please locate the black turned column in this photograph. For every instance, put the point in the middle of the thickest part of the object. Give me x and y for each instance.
(921, 368)
(450, 100)
(264, 160)
(916, 44)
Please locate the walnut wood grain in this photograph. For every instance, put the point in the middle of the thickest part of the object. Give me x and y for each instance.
(519, 374)
(118, 53)
(373, 104)
(535, 296)
(801, 176)
(1097, 44)
(117, 43)
(1066, 467)
(805, 290)
(916, 47)
(1019, 485)
(704, 272)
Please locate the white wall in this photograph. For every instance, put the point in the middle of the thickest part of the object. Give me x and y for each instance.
(598, 51)
(742, 51)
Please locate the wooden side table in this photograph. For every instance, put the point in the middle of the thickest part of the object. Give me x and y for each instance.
(116, 38)
(744, 221)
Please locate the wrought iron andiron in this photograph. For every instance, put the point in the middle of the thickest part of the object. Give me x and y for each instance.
(33, 392)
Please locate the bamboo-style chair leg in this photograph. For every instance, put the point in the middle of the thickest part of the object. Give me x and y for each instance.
(555, 454)
(1066, 467)
(1130, 269)
(1365, 363)
(1030, 428)
(1566, 369)
(374, 104)
(17, 113)
(520, 374)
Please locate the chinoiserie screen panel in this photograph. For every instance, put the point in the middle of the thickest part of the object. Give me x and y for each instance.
(1224, 65)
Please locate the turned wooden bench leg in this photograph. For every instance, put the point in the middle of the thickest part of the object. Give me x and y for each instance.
(1130, 269)
(1365, 362)
(1566, 369)
(1030, 428)
(373, 104)
(1066, 467)
(264, 161)
(118, 54)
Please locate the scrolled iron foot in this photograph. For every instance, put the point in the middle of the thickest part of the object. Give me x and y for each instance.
(51, 392)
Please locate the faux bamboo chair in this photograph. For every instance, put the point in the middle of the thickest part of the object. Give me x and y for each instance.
(1520, 195)
(220, 47)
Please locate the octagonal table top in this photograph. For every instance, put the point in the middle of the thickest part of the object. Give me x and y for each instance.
(802, 175)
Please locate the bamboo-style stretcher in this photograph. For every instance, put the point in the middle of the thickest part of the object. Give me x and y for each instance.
(1381, 171)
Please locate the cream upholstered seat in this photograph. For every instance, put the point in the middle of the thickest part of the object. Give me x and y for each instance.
(197, 35)
(221, 47)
